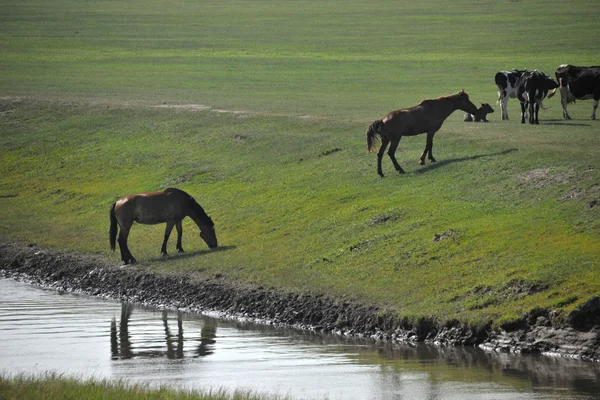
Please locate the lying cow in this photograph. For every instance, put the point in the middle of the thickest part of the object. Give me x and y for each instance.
(480, 115)
(582, 83)
(506, 81)
(532, 88)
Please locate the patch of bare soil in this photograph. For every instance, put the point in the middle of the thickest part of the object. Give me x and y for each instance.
(195, 107)
(538, 331)
(544, 178)
(204, 107)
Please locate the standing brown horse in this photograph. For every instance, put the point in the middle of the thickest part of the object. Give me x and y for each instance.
(427, 117)
(170, 206)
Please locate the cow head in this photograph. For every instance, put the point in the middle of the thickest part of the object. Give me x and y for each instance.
(551, 83)
(485, 109)
(563, 73)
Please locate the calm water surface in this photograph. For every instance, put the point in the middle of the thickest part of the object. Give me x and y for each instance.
(43, 330)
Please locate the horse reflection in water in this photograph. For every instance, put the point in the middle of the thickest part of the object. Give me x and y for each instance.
(121, 339)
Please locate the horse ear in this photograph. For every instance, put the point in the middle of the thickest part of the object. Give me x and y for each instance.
(462, 91)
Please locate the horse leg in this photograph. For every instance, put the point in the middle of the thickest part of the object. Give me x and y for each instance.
(428, 149)
(537, 111)
(168, 229)
(126, 255)
(384, 142)
(392, 154)
(594, 108)
(179, 235)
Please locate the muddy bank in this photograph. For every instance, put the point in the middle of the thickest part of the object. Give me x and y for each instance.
(541, 331)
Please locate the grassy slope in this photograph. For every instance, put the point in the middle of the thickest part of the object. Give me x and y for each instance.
(513, 200)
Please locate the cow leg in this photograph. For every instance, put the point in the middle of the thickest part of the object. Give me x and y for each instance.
(595, 107)
(168, 229)
(384, 142)
(428, 149)
(504, 107)
(532, 104)
(179, 235)
(564, 92)
(392, 154)
(531, 109)
(537, 112)
(523, 112)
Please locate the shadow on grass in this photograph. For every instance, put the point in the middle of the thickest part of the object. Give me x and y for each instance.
(438, 164)
(190, 254)
(561, 122)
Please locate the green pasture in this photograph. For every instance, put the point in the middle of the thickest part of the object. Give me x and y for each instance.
(259, 110)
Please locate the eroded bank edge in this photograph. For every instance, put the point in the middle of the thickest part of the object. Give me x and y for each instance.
(539, 331)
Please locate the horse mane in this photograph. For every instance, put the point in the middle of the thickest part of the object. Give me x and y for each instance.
(197, 208)
(450, 96)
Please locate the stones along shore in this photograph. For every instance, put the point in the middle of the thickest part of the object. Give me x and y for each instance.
(540, 331)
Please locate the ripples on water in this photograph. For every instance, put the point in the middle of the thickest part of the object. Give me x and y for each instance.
(89, 337)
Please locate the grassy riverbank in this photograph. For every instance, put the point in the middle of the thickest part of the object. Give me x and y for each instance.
(50, 387)
(274, 146)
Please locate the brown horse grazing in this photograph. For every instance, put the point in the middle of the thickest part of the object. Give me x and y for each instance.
(427, 117)
(170, 206)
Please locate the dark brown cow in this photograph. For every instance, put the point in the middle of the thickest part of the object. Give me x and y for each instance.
(532, 88)
(581, 83)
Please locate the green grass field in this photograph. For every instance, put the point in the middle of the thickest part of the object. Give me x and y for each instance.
(88, 96)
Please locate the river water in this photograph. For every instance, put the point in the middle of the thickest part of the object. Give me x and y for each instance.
(43, 330)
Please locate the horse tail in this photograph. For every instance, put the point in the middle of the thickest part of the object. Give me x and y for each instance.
(113, 227)
(372, 132)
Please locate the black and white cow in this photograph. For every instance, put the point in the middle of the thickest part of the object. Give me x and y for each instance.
(480, 115)
(582, 83)
(532, 88)
(506, 81)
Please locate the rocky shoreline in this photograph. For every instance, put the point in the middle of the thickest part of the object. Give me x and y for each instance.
(542, 331)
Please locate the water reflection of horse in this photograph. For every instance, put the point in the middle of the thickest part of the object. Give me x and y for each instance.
(122, 347)
(170, 206)
(427, 117)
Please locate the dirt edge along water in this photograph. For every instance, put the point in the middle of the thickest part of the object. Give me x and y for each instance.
(540, 331)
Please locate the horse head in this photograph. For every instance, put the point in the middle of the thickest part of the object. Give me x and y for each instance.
(208, 234)
(464, 103)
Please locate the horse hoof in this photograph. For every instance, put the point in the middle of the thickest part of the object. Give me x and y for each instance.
(421, 162)
(180, 250)
(164, 254)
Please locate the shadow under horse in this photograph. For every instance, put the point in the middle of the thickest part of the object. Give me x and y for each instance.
(169, 206)
(427, 117)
